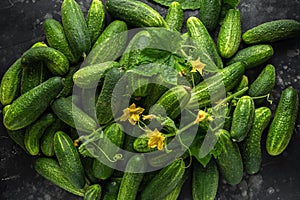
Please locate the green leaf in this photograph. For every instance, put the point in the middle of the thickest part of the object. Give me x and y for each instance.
(186, 4)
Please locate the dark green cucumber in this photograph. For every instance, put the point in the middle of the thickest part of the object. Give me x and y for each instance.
(253, 56)
(211, 89)
(18, 137)
(75, 27)
(29, 106)
(140, 144)
(93, 192)
(95, 19)
(87, 164)
(10, 83)
(251, 146)
(132, 178)
(168, 177)
(35, 131)
(264, 83)
(135, 13)
(205, 181)
(272, 31)
(56, 39)
(229, 37)
(243, 84)
(175, 17)
(72, 115)
(138, 85)
(229, 160)
(69, 159)
(111, 190)
(282, 126)
(209, 13)
(56, 61)
(50, 169)
(68, 82)
(242, 119)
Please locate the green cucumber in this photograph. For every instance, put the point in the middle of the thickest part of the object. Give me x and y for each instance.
(253, 56)
(95, 19)
(174, 18)
(56, 61)
(56, 39)
(229, 37)
(35, 131)
(93, 192)
(68, 82)
(135, 13)
(272, 31)
(68, 159)
(242, 85)
(111, 190)
(18, 137)
(282, 126)
(140, 144)
(75, 27)
(10, 83)
(29, 106)
(242, 118)
(251, 146)
(132, 178)
(50, 169)
(138, 85)
(209, 13)
(39, 44)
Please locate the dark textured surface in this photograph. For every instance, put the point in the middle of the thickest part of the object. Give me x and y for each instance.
(20, 22)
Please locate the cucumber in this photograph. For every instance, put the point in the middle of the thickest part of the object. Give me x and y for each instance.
(140, 144)
(272, 31)
(138, 85)
(39, 44)
(242, 118)
(68, 159)
(18, 137)
(251, 146)
(205, 181)
(29, 106)
(175, 17)
(68, 82)
(93, 192)
(10, 83)
(50, 169)
(229, 37)
(95, 19)
(253, 56)
(35, 131)
(282, 126)
(111, 190)
(243, 84)
(204, 42)
(211, 89)
(56, 61)
(168, 178)
(132, 178)
(229, 160)
(264, 83)
(87, 164)
(72, 115)
(75, 27)
(135, 13)
(56, 39)
(209, 13)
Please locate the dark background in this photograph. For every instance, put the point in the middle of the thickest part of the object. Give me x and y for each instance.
(279, 178)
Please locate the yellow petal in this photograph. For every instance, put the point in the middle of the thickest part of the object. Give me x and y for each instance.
(197, 66)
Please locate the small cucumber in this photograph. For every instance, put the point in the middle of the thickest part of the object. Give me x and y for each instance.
(229, 37)
(209, 13)
(272, 31)
(50, 169)
(135, 13)
(282, 126)
(68, 82)
(111, 190)
(18, 137)
(253, 56)
(35, 131)
(175, 17)
(69, 159)
(242, 85)
(242, 119)
(93, 192)
(29, 106)
(251, 146)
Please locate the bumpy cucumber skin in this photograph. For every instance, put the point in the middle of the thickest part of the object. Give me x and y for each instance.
(10, 83)
(18, 137)
(251, 146)
(209, 13)
(242, 118)
(29, 106)
(243, 84)
(138, 85)
(75, 27)
(175, 16)
(68, 82)
(229, 37)
(272, 31)
(136, 13)
(50, 169)
(253, 56)
(282, 126)
(56, 61)
(69, 159)
(176, 192)
(93, 192)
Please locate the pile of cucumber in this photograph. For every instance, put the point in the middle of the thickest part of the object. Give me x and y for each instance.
(61, 103)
